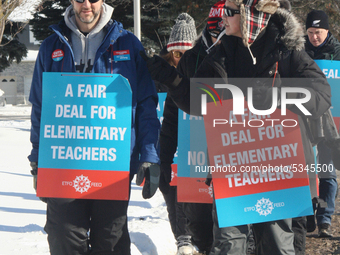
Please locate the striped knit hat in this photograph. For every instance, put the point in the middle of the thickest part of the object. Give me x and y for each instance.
(183, 33)
(255, 15)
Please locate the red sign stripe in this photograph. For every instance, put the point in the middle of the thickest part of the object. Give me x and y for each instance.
(83, 184)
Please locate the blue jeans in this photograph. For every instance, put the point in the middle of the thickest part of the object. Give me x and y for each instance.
(327, 186)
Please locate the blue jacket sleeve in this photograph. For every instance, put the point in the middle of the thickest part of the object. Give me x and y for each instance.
(147, 123)
(35, 98)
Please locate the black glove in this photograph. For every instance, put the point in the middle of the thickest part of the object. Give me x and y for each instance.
(151, 172)
(208, 179)
(165, 178)
(162, 71)
(263, 97)
(34, 172)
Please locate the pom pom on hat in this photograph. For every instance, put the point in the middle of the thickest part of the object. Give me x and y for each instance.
(183, 33)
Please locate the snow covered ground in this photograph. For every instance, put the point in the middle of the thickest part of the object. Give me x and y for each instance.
(22, 214)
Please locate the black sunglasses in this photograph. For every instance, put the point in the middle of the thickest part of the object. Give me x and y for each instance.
(230, 12)
(82, 1)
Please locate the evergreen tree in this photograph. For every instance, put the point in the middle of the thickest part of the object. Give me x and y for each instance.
(11, 49)
(51, 13)
(158, 17)
(123, 12)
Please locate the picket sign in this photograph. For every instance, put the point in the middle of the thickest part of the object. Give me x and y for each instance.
(278, 189)
(192, 152)
(85, 136)
(160, 110)
(331, 69)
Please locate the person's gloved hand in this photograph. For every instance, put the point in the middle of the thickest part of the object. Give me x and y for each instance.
(151, 172)
(162, 71)
(263, 97)
(34, 172)
(165, 178)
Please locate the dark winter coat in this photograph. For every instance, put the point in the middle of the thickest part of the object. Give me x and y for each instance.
(198, 216)
(330, 50)
(281, 43)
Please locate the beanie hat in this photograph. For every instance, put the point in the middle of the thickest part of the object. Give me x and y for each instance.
(317, 19)
(255, 15)
(183, 33)
(215, 22)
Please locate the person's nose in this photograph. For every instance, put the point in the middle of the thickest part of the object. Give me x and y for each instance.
(87, 4)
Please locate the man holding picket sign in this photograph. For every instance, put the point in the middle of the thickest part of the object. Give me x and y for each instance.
(321, 44)
(89, 41)
(264, 48)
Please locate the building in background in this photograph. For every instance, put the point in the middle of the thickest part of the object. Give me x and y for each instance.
(16, 80)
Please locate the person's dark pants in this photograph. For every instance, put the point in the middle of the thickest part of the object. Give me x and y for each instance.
(70, 220)
(229, 240)
(176, 214)
(328, 185)
(200, 224)
(299, 226)
(274, 237)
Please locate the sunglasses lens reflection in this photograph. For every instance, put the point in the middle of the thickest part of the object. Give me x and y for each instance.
(177, 54)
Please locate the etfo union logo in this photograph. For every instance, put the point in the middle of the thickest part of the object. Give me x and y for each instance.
(81, 184)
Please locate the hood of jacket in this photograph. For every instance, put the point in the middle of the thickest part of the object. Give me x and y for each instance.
(85, 45)
(283, 34)
(105, 16)
(205, 38)
(291, 32)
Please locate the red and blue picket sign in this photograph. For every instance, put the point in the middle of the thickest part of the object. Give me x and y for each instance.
(85, 136)
(192, 157)
(258, 167)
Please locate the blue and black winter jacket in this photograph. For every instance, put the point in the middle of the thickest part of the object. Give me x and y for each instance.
(145, 125)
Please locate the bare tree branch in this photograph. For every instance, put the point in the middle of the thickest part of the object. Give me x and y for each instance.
(8, 7)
